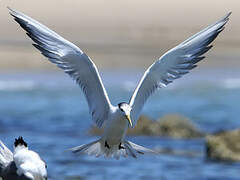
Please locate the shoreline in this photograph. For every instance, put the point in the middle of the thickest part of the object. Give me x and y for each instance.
(108, 57)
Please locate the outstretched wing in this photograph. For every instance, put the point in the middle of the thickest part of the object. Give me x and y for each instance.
(6, 156)
(72, 60)
(173, 64)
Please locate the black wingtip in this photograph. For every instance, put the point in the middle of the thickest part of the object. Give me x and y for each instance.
(226, 17)
(9, 8)
(228, 14)
(13, 14)
(20, 142)
(11, 11)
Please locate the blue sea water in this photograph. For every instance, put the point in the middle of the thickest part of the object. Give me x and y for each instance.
(51, 113)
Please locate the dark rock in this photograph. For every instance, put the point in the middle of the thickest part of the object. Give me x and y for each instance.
(177, 152)
(177, 126)
(95, 131)
(174, 126)
(223, 146)
(145, 126)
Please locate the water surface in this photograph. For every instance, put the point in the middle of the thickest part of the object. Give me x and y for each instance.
(50, 112)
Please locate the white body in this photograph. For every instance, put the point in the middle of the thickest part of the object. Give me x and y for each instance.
(115, 127)
(29, 163)
(22, 164)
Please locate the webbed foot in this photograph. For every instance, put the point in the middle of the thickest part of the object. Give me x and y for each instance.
(106, 145)
(120, 146)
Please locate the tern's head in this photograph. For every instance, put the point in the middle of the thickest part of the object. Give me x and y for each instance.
(126, 109)
(19, 142)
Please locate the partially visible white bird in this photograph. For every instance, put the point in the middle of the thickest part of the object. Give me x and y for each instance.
(22, 164)
(116, 119)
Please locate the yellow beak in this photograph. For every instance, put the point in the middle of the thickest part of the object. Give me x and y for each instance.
(129, 120)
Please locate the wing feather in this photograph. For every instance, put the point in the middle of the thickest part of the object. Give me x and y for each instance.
(173, 64)
(72, 60)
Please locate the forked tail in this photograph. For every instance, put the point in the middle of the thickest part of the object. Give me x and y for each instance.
(98, 148)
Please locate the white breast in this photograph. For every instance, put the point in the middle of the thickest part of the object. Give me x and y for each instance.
(115, 128)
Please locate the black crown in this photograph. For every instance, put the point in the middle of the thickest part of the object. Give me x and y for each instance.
(20, 142)
(122, 103)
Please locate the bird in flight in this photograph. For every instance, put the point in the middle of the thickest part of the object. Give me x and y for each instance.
(116, 119)
(22, 164)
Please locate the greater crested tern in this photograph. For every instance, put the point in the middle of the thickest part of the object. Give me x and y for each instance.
(22, 164)
(116, 119)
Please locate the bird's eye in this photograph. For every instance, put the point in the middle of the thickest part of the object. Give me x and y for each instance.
(121, 110)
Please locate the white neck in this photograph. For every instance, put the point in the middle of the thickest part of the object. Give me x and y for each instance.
(20, 147)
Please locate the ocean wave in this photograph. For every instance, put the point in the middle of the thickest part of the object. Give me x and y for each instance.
(13, 85)
(231, 83)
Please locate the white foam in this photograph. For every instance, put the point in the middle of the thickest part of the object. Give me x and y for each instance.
(12, 85)
(129, 85)
(231, 83)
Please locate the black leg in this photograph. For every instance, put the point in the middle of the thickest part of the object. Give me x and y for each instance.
(106, 145)
(120, 146)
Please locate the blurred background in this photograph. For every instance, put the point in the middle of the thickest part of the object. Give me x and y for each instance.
(42, 104)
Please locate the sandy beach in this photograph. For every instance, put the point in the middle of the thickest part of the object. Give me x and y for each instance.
(125, 34)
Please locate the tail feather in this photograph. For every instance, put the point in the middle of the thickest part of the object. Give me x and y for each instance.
(97, 148)
(129, 150)
(140, 149)
(92, 148)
